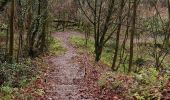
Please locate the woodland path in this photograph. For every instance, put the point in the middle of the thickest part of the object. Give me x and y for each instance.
(74, 75)
(65, 74)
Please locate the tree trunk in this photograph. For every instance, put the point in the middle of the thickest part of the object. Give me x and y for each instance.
(44, 30)
(98, 53)
(11, 45)
(132, 35)
(118, 35)
(34, 33)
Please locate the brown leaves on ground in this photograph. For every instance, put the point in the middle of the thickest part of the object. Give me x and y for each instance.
(93, 73)
(35, 89)
(166, 92)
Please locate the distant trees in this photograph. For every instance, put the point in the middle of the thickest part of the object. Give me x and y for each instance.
(119, 21)
(111, 18)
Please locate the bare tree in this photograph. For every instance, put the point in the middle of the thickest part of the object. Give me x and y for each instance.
(118, 33)
(100, 15)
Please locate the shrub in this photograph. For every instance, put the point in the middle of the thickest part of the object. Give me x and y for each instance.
(140, 62)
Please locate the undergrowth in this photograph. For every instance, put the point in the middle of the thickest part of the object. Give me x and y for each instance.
(17, 80)
(146, 83)
(17, 76)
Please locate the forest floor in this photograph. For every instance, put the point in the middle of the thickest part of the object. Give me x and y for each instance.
(74, 75)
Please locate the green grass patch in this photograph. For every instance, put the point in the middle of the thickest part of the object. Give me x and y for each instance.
(55, 47)
(2, 34)
(80, 42)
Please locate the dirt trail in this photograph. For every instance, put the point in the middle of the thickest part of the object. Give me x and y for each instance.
(65, 74)
(74, 75)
